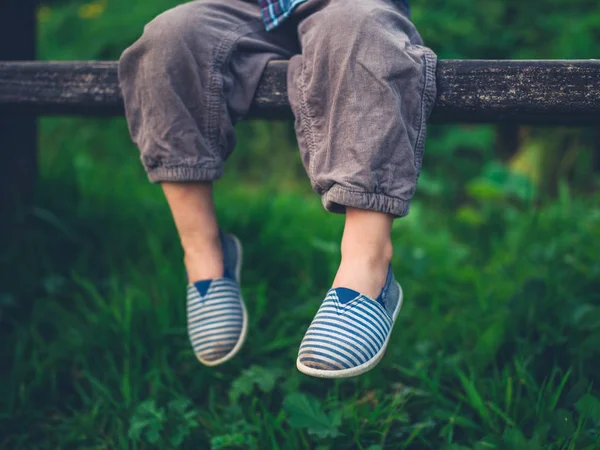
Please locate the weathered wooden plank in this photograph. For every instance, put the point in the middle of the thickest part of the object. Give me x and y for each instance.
(520, 91)
(18, 130)
(468, 91)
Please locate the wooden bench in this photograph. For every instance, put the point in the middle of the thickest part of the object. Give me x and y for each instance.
(543, 92)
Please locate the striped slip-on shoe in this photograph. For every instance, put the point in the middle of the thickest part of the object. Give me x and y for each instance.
(217, 317)
(350, 332)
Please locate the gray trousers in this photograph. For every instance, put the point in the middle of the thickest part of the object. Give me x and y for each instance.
(360, 82)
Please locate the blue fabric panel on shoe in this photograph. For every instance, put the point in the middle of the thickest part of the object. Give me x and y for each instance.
(345, 295)
(203, 286)
(381, 299)
(230, 255)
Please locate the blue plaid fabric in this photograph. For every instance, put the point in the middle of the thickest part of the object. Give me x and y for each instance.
(276, 11)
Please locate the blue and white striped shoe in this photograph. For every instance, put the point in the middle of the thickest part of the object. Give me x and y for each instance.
(217, 317)
(350, 332)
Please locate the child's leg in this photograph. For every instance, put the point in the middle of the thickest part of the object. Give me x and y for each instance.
(194, 214)
(361, 92)
(366, 251)
(185, 83)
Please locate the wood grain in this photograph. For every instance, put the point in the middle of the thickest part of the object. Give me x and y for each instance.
(557, 92)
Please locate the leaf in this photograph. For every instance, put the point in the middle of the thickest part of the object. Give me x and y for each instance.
(587, 317)
(484, 190)
(184, 408)
(562, 424)
(475, 400)
(137, 428)
(555, 397)
(173, 423)
(178, 437)
(306, 412)
(488, 443)
(590, 345)
(147, 421)
(179, 405)
(490, 340)
(514, 439)
(261, 377)
(470, 216)
(581, 311)
(231, 440)
(589, 406)
(153, 434)
(484, 445)
(184, 415)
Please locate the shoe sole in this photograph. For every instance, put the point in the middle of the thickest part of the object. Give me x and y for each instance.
(358, 370)
(242, 338)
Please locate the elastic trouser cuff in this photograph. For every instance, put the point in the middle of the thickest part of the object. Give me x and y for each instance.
(338, 198)
(184, 173)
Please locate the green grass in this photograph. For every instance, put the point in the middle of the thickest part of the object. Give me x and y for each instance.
(497, 346)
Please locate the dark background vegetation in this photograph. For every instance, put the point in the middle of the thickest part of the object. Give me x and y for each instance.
(499, 341)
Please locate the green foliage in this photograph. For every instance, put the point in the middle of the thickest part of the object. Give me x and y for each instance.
(496, 346)
(158, 425)
(258, 376)
(500, 29)
(305, 411)
(589, 407)
(236, 440)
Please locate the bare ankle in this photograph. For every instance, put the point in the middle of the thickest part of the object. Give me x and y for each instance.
(204, 262)
(194, 214)
(367, 235)
(366, 252)
(198, 243)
